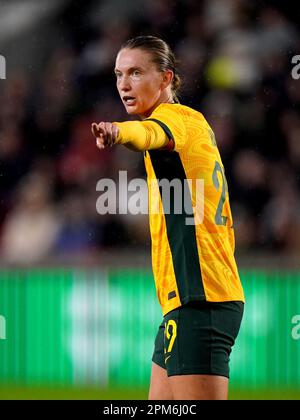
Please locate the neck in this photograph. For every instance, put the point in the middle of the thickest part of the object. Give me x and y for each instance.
(164, 99)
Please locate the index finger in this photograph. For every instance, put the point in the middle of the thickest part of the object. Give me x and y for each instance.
(96, 130)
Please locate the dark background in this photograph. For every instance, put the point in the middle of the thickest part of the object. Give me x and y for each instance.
(235, 60)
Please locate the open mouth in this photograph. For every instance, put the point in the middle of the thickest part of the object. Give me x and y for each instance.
(129, 100)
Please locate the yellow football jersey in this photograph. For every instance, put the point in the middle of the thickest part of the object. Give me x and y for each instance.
(192, 245)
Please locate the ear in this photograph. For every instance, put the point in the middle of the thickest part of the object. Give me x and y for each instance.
(167, 79)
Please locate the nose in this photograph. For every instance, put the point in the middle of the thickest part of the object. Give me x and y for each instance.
(124, 84)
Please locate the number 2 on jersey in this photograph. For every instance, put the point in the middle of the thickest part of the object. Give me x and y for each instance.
(219, 219)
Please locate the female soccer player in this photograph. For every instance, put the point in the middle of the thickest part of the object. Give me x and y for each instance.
(193, 262)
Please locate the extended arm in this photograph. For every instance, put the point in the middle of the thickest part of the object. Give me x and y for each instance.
(136, 135)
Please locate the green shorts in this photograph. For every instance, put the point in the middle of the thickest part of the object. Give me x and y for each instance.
(197, 338)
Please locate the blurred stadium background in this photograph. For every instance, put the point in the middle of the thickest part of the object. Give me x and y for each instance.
(78, 309)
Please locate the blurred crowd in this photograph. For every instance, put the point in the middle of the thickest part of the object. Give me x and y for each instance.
(235, 59)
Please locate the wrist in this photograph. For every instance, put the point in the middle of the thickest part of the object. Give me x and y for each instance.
(117, 133)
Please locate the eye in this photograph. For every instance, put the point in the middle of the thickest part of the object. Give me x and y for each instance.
(136, 73)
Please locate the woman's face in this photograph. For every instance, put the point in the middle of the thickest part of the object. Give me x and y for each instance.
(141, 86)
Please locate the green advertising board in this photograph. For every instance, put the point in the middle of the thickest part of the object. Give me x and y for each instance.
(97, 327)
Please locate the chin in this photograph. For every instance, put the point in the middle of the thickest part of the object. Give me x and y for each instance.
(130, 111)
(133, 111)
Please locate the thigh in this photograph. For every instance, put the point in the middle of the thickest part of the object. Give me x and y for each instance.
(160, 388)
(192, 349)
(159, 383)
(199, 387)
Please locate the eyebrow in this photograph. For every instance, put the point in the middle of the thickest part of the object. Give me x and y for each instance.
(130, 70)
